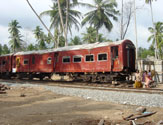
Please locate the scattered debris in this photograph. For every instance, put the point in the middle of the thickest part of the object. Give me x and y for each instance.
(160, 122)
(22, 95)
(139, 116)
(141, 109)
(101, 122)
(3, 88)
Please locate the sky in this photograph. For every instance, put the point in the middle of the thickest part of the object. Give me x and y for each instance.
(20, 11)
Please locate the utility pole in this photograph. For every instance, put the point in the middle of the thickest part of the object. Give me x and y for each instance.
(136, 30)
(122, 21)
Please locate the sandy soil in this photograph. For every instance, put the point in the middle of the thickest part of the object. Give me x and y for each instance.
(41, 107)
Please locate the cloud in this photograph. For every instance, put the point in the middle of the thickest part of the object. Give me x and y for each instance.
(4, 35)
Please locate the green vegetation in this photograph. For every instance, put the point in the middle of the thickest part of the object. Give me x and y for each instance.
(65, 15)
(100, 16)
(15, 36)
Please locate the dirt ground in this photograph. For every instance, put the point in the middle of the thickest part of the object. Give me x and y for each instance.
(41, 107)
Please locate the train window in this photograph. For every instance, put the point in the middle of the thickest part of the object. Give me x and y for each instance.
(89, 58)
(66, 59)
(77, 59)
(26, 61)
(102, 57)
(3, 62)
(49, 60)
(33, 59)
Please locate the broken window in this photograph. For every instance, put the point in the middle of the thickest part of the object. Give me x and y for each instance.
(89, 58)
(102, 57)
(26, 61)
(66, 59)
(77, 59)
(49, 60)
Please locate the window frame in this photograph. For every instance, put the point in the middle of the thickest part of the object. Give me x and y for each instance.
(66, 57)
(89, 55)
(77, 56)
(48, 60)
(25, 60)
(102, 60)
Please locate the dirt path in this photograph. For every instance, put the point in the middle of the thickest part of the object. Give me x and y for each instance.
(40, 107)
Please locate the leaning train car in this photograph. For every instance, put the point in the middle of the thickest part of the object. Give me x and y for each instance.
(5, 66)
(33, 64)
(98, 62)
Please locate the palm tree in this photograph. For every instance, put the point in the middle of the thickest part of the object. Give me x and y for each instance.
(40, 19)
(150, 3)
(90, 36)
(15, 36)
(5, 49)
(157, 35)
(100, 16)
(69, 18)
(31, 47)
(37, 32)
(75, 41)
(40, 37)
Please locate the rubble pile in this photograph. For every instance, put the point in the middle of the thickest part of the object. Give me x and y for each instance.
(3, 88)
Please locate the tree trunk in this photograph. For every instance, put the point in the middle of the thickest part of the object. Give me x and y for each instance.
(156, 47)
(40, 20)
(136, 30)
(61, 18)
(122, 22)
(97, 35)
(67, 14)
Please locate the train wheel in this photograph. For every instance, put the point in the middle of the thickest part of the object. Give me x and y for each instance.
(94, 79)
(103, 79)
(87, 78)
(30, 77)
(41, 77)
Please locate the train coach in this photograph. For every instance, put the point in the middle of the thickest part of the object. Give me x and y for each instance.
(98, 62)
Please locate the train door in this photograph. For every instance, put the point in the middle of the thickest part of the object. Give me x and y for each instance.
(130, 57)
(32, 63)
(114, 58)
(56, 59)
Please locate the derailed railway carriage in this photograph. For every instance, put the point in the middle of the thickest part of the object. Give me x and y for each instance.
(98, 62)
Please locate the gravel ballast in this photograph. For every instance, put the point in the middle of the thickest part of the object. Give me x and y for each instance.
(140, 99)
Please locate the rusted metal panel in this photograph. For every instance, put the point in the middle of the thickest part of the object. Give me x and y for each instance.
(34, 63)
(5, 64)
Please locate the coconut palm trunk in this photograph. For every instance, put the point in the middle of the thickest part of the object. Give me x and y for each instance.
(136, 36)
(67, 13)
(122, 21)
(62, 24)
(40, 20)
(156, 56)
(150, 3)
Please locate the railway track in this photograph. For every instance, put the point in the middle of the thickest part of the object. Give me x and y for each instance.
(92, 86)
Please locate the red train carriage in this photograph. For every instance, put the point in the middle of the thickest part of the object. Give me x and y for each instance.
(91, 62)
(33, 64)
(5, 65)
(96, 62)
